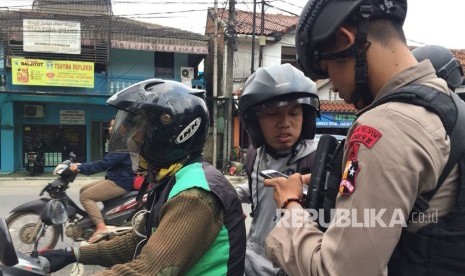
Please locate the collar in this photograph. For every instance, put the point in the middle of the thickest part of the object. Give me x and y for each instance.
(423, 72)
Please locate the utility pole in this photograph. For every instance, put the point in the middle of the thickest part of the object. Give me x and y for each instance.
(231, 45)
(254, 24)
(215, 83)
(262, 36)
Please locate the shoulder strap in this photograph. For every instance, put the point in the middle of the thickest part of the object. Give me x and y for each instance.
(427, 97)
(249, 161)
(451, 111)
(305, 164)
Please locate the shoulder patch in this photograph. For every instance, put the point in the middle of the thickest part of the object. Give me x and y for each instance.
(347, 185)
(365, 135)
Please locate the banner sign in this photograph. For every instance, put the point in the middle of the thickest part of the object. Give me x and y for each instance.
(52, 36)
(52, 72)
(165, 46)
(72, 117)
(335, 120)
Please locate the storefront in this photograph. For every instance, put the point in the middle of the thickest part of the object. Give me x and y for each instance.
(77, 124)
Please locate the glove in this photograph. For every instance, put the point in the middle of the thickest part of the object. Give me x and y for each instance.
(60, 258)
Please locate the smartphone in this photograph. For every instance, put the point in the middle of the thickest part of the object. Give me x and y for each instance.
(269, 174)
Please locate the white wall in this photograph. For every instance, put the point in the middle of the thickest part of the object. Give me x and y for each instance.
(243, 56)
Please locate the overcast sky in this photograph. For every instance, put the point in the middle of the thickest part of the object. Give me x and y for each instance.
(428, 21)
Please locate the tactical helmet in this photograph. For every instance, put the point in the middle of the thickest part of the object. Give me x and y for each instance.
(172, 122)
(446, 65)
(321, 18)
(278, 84)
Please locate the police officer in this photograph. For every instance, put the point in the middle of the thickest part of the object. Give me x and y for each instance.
(446, 65)
(395, 152)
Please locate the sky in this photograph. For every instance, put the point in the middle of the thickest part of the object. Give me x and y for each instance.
(428, 21)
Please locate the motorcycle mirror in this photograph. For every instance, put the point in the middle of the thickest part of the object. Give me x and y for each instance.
(54, 212)
(72, 156)
(8, 255)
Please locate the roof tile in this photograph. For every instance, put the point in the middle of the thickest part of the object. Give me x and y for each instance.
(274, 23)
(336, 106)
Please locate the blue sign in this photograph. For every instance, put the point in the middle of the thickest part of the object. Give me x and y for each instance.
(335, 120)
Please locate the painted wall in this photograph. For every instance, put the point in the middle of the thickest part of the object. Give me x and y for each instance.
(243, 56)
(130, 63)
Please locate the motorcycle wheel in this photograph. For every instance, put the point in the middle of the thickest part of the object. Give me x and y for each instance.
(22, 225)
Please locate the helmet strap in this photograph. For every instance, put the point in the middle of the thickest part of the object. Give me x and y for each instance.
(275, 154)
(362, 90)
(295, 149)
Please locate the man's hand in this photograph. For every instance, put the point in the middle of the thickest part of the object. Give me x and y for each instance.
(74, 167)
(59, 258)
(284, 189)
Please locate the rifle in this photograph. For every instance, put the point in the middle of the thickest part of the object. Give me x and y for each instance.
(326, 176)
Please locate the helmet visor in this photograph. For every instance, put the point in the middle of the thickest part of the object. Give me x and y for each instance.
(310, 101)
(128, 132)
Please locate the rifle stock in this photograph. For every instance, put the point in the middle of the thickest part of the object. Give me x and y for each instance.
(324, 153)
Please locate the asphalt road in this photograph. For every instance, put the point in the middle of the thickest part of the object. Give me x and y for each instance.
(19, 188)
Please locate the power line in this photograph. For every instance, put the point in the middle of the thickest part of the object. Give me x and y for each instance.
(290, 3)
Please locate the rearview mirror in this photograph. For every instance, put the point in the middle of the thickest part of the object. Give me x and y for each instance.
(7, 250)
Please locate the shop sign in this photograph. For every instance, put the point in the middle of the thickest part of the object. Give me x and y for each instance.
(52, 36)
(6, 127)
(72, 117)
(52, 72)
(164, 45)
(334, 120)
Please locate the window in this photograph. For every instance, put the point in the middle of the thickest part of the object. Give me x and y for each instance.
(164, 63)
(288, 55)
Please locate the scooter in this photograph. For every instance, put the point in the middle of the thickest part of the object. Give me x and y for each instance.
(15, 263)
(119, 213)
(35, 163)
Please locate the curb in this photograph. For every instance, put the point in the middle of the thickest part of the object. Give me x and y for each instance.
(44, 176)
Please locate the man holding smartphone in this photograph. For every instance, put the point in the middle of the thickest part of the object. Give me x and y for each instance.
(278, 108)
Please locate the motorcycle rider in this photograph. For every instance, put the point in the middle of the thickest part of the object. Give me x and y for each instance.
(446, 65)
(278, 108)
(395, 153)
(118, 181)
(194, 223)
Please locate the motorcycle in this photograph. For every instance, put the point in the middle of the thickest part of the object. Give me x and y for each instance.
(15, 263)
(35, 162)
(119, 213)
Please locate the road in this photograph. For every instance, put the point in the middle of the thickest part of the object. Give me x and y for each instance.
(15, 191)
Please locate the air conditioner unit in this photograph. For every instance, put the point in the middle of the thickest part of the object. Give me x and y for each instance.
(33, 111)
(187, 72)
(187, 75)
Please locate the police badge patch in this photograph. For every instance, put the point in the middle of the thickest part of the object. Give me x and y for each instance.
(347, 185)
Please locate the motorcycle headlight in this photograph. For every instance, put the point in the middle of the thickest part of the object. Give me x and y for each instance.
(60, 168)
(54, 212)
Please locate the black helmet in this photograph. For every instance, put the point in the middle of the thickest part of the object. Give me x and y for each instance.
(172, 123)
(278, 84)
(446, 65)
(321, 18)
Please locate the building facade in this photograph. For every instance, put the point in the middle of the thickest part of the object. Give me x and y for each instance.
(60, 68)
(275, 45)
